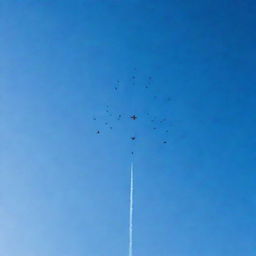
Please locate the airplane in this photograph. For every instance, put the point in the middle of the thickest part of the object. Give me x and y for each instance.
(133, 117)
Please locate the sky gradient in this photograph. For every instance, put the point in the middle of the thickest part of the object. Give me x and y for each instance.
(64, 191)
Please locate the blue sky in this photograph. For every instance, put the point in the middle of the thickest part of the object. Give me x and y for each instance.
(64, 191)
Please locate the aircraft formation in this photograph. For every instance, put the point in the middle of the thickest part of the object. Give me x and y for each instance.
(154, 123)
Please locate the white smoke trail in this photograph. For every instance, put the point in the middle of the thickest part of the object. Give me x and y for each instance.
(131, 214)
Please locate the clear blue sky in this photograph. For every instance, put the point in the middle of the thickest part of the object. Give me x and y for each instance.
(65, 191)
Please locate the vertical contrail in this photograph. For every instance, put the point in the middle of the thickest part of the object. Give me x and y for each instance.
(131, 213)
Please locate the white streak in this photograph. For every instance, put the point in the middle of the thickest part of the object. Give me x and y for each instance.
(131, 214)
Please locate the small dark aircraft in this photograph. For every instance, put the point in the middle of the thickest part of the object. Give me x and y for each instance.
(133, 138)
(98, 132)
(133, 117)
